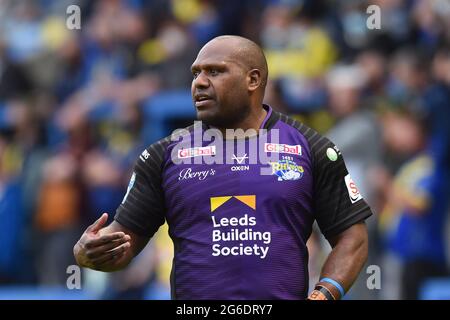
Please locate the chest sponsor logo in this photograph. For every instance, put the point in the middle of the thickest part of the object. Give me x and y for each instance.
(196, 152)
(283, 148)
(353, 191)
(188, 173)
(287, 170)
(240, 160)
(235, 236)
(249, 200)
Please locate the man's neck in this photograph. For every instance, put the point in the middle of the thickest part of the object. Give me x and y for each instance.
(249, 126)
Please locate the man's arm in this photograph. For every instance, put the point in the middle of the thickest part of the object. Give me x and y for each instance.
(111, 248)
(345, 261)
(108, 248)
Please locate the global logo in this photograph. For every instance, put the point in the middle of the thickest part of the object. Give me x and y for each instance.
(287, 170)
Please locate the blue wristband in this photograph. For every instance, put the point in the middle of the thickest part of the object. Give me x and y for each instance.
(336, 284)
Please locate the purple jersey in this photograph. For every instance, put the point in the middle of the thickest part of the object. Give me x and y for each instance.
(239, 233)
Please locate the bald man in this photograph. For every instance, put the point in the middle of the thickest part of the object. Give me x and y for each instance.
(239, 232)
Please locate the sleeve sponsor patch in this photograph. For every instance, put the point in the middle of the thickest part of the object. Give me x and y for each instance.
(130, 185)
(144, 155)
(353, 191)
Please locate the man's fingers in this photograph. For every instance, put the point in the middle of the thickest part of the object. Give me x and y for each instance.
(97, 225)
(109, 260)
(102, 249)
(111, 255)
(105, 239)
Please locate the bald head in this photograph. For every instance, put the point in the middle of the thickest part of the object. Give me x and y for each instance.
(244, 51)
(229, 80)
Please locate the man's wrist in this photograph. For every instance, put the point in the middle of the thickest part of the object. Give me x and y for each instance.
(333, 284)
(321, 293)
(335, 287)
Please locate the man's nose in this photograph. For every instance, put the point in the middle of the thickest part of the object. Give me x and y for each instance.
(201, 81)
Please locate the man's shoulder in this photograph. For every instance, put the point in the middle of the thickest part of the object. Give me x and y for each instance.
(315, 140)
(292, 122)
(160, 147)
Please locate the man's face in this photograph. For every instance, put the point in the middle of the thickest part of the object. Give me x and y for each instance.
(219, 86)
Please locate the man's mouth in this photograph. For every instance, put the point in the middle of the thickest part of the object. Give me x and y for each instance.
(202, 100)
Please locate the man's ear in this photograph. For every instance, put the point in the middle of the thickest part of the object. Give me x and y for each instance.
(254, 79)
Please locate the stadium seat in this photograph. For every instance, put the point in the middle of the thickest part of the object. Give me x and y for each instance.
(162, 109)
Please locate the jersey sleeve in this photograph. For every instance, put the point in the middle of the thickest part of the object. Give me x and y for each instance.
(142, 209)
(338, 203)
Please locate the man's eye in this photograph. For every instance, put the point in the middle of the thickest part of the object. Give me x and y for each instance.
(213, 72)
(195, 74)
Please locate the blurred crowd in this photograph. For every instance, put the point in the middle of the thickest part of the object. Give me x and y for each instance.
(78, 106)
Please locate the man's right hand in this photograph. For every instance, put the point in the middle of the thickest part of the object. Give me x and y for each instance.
(103, 249)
